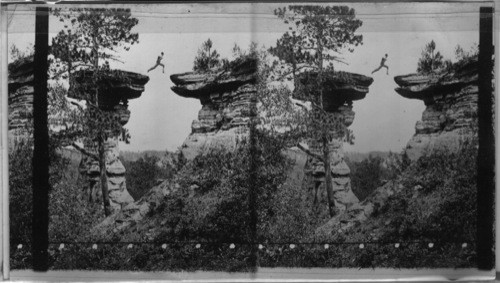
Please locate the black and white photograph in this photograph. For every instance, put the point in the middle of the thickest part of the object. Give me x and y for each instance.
(241, 137)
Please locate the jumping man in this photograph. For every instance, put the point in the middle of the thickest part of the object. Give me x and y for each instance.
(382, 65)
(158, 63)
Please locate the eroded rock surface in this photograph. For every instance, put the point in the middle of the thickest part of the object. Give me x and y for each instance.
(451, 107)
(226, 97)
(20, 93)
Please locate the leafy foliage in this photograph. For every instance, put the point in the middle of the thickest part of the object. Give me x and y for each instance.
(15, 53)
(316, 38)
(366, 176)
(91, 36)
(461, 54)
(435, 202)
(440, 202)
(71, 214)
(82, 50)
(144, 173)
(207, 58)
(372, 172)
(20, 193)
(430, 60)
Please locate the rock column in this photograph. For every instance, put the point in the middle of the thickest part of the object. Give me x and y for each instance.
(226, 97)
(340, 89)
(114, 92)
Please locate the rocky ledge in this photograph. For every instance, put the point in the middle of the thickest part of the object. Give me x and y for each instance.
(338, 88)
(451, 107)
(20, 92)
(203, 85)
(226, 97)
(115, 87)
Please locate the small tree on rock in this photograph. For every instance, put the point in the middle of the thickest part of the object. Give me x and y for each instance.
(431, 60)
(207, 58)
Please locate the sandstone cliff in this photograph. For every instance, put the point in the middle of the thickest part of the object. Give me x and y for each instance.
(226, 97)
(450, 98)
(20, 93)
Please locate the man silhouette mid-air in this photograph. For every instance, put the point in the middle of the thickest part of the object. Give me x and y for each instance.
(158, 63)
(382, 65)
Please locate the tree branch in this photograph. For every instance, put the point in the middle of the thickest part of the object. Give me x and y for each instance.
(285, 74)
(77, 105)
(84, 151)
(309, 152)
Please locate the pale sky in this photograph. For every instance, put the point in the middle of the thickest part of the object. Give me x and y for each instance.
(384, 121)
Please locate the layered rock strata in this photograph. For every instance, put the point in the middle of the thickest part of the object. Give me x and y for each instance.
(226, 97)
(115, 89)
(340, 89)
(450, 98)
(21, 91)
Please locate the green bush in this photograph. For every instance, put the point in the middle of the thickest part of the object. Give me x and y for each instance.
(440, 197)
(436, 203)
(215, 203)
(366, 176)
(20, 191)
(371, 173)
(144, 173)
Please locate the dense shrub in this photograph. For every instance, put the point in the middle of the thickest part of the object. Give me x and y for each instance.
(439, 200)
(144, 173)
(372, 172)
(366, 176)
(435, 202)
(71, 215)
(20, 191)
(220, 190)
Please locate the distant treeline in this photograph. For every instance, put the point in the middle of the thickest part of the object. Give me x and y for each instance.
(354, 156)
(135, 155)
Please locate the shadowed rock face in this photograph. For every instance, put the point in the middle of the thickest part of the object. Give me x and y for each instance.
(340, 89)
(202, 85)
(226, 97)
(115, 87)
(451, 107)
(20, 92)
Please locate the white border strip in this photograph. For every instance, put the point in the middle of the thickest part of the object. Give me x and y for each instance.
(4, 166)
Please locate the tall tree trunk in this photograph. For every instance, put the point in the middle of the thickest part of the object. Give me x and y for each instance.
(328, 178)
(101, 140)
(104, 178)
(324, 138)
